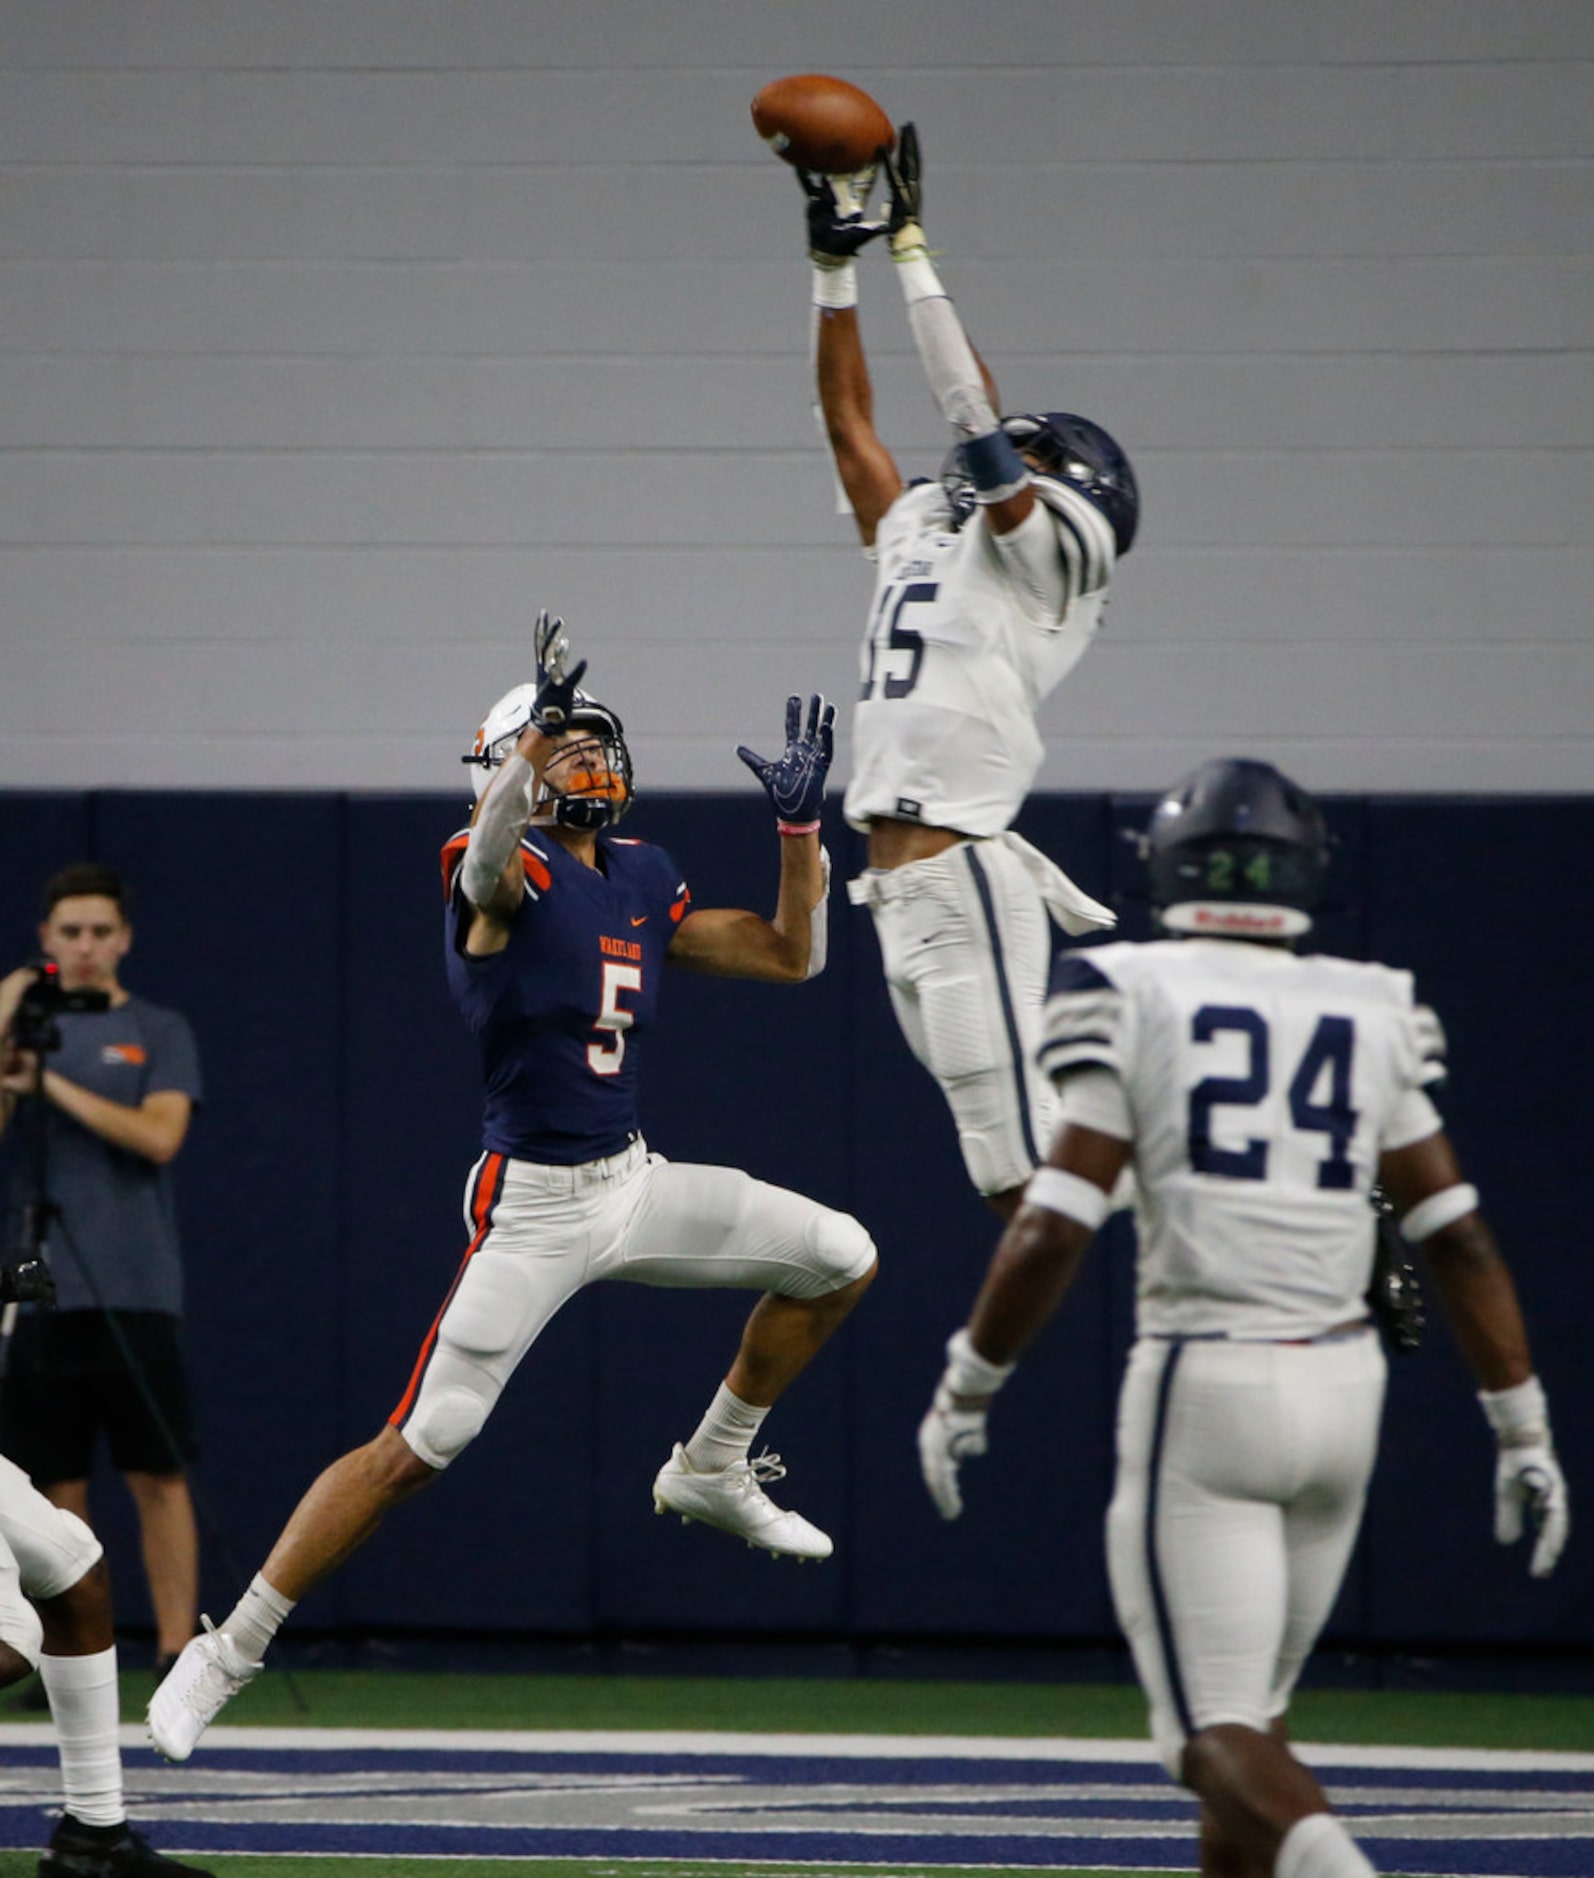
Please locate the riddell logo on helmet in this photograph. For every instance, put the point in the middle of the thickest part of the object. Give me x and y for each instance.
(1239, 919)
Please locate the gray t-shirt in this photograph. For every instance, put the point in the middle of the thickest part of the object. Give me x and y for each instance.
(116, 1209)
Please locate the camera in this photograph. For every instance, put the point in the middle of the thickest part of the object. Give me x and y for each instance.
(34, 1027)
(28, 1281)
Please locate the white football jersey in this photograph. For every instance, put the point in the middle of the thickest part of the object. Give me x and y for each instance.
(967, 634)
(1259, 1089)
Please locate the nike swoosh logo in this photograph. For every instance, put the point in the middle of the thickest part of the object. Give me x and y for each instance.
(640, 922)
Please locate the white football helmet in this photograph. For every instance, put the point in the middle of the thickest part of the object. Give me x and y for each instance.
(579, 792)
(497, 735)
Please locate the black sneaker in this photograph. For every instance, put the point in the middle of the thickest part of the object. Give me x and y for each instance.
(79, 1851)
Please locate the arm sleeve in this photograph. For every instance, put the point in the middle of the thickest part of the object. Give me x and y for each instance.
(949, 363)
(500, 823)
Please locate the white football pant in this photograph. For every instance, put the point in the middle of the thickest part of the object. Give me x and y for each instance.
(1242, 1473)
(966, 942)
(540, 1234)
(44, 1550)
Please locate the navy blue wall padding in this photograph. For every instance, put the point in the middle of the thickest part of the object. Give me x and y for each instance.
(321, 1190)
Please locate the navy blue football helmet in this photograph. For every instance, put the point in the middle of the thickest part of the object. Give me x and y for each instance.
(1082, 454)
(1236, 849)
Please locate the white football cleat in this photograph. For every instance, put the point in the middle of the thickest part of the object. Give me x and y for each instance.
(734, 1500)
(208, 1673)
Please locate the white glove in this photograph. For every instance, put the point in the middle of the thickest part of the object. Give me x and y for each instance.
(954, 1429)
(1529, 1482)
(948, 1436)
(1529, 1487)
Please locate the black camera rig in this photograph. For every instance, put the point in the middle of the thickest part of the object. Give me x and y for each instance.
(25, 1276)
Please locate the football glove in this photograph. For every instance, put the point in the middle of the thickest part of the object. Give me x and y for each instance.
(948, 1436)
(1530, 1490)
(954, 1429)
(837, 227)
(1394, 1289)
(556, 683)
(903, 175)
(795, 780)
(1529, 1487)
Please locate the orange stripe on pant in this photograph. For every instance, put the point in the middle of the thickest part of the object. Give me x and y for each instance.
(489, 1185)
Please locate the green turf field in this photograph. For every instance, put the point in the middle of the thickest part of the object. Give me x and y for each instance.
(813, 1705)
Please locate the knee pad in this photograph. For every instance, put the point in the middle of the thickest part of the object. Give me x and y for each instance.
(19, 1621)
(842, 1250)
(445, 1422)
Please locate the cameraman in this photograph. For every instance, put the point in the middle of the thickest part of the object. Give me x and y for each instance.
(113, 1090)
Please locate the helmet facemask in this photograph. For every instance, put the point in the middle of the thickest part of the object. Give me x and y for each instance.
(586, 783)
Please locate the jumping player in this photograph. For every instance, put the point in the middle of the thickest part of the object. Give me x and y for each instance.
(557, 932)
(989, 589)
(1258, 1094)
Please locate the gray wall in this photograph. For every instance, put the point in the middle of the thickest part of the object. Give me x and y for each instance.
(337, 335)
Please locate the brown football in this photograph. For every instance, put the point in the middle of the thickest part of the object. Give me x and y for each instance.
(820, 123)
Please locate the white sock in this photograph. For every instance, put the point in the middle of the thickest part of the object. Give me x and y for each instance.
(1320, 1847)
(257, 1617)
(725, 1433)
(87, 1712)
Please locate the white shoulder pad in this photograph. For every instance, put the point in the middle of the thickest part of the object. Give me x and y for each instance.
(1084, 534)
(1083, 1015)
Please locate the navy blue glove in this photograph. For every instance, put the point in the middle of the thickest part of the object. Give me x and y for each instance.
(556, 684)
(836, 225)
(796, 780)
(904, 179)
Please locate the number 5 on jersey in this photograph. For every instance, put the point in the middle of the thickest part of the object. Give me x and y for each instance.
(606, 1052)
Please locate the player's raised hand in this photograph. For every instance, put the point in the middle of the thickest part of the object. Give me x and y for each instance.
(795, 780)
(903, 176)
(837, 224)
(1530, 1490)
(556, 683)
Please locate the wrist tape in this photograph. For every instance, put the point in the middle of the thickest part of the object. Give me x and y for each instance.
(994, 466)
(967, 1372)
(1438, 1211)
(835, 285)
(1069, 1194)
(1520, 1417)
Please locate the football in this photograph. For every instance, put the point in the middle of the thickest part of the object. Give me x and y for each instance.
(820, 123)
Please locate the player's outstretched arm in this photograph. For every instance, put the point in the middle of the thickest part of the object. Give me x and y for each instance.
(964, 391)
(790, 947)
(1439, 1212)
(1030, 1273)
(837, 230)
(491, 875)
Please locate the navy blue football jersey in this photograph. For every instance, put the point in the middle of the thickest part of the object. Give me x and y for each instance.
(559, 1011)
